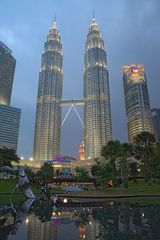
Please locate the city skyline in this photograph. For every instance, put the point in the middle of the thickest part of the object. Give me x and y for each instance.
(135, 41)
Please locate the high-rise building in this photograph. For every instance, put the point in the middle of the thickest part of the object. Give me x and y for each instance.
(81, 151)
(155, 113)
(7, 69)
(97, 110)
(136, 100)
(48, 113)
(9, 126)
(9, 116)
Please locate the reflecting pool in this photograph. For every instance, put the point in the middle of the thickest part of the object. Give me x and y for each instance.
(37, 220)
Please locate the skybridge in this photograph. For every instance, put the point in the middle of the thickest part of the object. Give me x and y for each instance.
(72, 106)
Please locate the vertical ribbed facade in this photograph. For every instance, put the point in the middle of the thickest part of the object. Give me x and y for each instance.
(48, 113)
(136, 100)
(9, 126)
(97, 110)
(7, 69)
(9, 116)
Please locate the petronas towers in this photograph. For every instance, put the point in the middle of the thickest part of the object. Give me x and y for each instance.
(48, 113)
(97, 111)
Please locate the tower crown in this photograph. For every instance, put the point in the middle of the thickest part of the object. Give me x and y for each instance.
(54, 26)
(94, 37)
(54, 33)
(93, 25)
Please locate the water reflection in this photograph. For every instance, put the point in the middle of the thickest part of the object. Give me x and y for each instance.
(41, 219)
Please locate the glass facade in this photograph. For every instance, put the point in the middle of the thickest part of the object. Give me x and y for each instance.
(136, 100)
(9, 126)
(7, 69)
(48, 113)
(97, 110)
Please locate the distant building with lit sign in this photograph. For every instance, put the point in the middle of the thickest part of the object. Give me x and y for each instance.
(61, 166)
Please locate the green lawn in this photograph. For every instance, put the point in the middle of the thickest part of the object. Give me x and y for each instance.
(6, 186)
(139, 188)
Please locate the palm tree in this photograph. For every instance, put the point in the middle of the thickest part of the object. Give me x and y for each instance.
(154, 164)
(144, 145)
(116, 155)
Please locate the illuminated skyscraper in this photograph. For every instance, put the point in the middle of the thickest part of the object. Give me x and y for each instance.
(97, 110)
(9, 116)
(136, 100)
(7, 69)
(81, 151)
(48, 114)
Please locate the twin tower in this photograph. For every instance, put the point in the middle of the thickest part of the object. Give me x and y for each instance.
(97, 110)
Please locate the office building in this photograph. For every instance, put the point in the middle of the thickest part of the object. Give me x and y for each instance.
(9, 126)
(136, 100)
(97, 110)
(9, 116)
(48, 113)
(7, 69)
(81, 151)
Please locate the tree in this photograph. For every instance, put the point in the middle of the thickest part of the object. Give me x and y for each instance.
(144, 148)
(82, 173)
(108, 169)
(7, 156)
(133, 167)
(116, 161)
(45, 173)
(154, 163)
(94, 170)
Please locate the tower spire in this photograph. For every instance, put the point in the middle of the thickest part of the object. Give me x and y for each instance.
(54, 26)
(93, 14)
(55, 18)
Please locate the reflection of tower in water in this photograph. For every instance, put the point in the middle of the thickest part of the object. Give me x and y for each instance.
(38, 230)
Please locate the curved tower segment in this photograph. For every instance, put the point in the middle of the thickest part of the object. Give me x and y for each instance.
(48, 113)
(137, 102)
(97, 110)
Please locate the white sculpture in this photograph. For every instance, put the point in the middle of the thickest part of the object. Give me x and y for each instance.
(23, 182)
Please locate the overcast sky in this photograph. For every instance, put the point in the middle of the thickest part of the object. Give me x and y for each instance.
(131, 32)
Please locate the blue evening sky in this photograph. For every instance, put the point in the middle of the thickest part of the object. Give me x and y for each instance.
(131, 32)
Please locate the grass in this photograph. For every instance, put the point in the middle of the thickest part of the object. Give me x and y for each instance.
(6, 187)
(140, 188)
